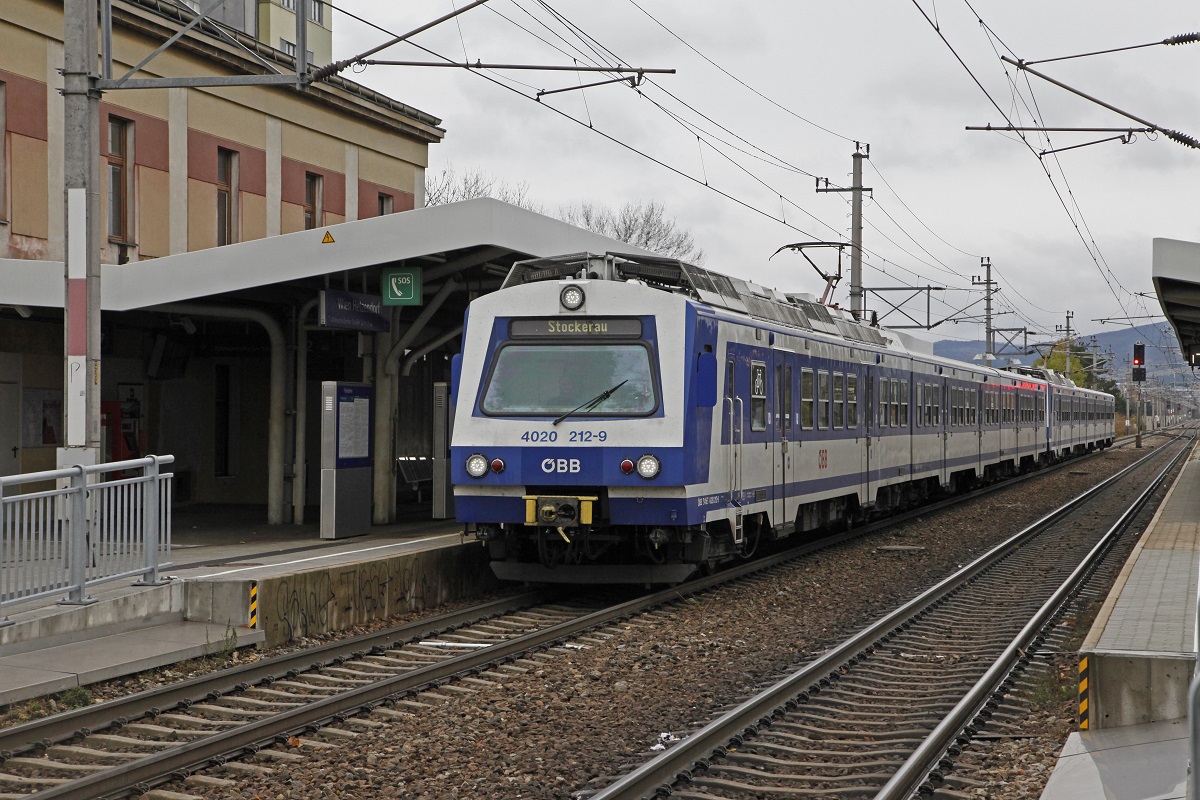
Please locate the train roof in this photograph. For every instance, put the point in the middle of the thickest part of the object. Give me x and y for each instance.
(795, 310)
(712, 288)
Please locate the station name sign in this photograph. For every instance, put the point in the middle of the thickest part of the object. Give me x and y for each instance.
(351, 311)
(576, 328)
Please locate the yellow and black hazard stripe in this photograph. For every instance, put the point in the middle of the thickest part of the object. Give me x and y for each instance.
(1083, 693)
(253, 604)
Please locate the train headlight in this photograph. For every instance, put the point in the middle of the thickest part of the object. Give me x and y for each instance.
(648, 466)
(571, 297)
(497, 465)
(627, 467)
(477, 465)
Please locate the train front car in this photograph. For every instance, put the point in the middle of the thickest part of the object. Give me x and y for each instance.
(572, 446)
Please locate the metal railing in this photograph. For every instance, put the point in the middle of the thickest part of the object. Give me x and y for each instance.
(99, 523)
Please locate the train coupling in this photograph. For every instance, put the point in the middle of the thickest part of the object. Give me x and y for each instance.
(559, 511)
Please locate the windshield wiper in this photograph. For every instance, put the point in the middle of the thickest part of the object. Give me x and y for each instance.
(595, 401)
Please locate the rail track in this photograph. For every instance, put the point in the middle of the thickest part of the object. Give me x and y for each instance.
(132, 744)
(883, 714)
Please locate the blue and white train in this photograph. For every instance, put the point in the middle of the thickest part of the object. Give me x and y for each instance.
(622, 419)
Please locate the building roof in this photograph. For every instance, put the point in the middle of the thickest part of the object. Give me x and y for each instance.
(491, 228)
(1176, 274)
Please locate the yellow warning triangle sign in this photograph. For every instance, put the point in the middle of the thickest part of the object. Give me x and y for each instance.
(328, 238)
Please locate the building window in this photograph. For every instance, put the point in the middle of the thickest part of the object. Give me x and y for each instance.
(227, 196)
(290, 5)
(3, 161)
(287, 48)
(386, 204)
(120, 178)
(313, 200)
(316, 11)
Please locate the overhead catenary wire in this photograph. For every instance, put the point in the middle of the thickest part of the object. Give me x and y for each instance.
(717, 145)
(1075, 223)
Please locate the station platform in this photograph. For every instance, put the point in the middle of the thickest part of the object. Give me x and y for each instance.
(1136, 665)
(235, 581)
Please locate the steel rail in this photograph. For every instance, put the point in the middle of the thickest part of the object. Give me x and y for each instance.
(92, 719)
(144, 773)
(42, 733)
(248, 738)
(654, 778)
(917, 768)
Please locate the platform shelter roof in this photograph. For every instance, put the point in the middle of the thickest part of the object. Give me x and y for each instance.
(444, 239)
(1176, 274)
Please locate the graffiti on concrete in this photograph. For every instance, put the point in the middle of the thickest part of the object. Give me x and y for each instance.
(315, 602)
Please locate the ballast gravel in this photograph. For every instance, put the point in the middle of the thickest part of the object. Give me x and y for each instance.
(570, 724)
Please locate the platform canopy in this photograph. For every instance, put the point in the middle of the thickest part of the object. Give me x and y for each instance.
(1176, 273)
(445, 239)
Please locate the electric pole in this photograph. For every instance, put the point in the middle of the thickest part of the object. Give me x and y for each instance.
(989, 333)
(856, 190)
(81, 299)
(1067, 330)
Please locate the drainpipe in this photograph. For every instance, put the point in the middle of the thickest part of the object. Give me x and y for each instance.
(299, 461)
(429, 347)
(278, 378)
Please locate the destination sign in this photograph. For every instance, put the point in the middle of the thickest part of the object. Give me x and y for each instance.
(576, 327)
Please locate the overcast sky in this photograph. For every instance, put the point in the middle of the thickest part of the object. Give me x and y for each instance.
(788, 86)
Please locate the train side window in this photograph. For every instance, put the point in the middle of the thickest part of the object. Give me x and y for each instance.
(904, 403)
(881, 407)
(778, 399)
(937, 404)
(959, 411)
(787, 411)
(919, 402)
(729, 378)
(758, 396)
(972, 408)
(822, 399)
(839, 400)
(806, 399)
(852, 401)
(895, 403)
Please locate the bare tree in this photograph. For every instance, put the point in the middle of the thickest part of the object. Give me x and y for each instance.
(447, 186)
(643, 225)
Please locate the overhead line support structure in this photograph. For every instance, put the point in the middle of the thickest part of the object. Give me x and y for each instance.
(988, 332)
(1181, 138)
(856, 189)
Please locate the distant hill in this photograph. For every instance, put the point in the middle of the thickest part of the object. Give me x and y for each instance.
(1159, 339)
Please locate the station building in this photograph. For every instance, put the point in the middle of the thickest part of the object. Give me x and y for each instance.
(229, 215)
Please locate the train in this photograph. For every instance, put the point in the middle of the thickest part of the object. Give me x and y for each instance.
(620, 418)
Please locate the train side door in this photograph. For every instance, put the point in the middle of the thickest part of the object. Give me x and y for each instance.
(975, 420)
(732, 410)
(781, 446)
(947, 416)
(870, 429)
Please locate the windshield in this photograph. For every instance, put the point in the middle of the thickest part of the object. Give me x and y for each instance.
(554, 379)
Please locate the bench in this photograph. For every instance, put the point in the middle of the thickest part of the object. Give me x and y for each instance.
(416, 472)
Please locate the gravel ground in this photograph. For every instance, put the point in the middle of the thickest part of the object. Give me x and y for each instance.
(575, 721)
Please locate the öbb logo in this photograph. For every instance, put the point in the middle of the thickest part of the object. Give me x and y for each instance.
(569, 465)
